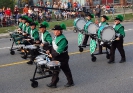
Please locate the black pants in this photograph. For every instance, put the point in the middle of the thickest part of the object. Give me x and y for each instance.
(119, 45)
(100, 46)
(86, 37)
(65, 68)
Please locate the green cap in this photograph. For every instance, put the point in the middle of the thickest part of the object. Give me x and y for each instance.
(119, 17)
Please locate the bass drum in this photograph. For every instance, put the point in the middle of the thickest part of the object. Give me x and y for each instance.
(79, 23)
(90, 28)
(106, 33)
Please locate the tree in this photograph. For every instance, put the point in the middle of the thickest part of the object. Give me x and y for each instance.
(7, 3)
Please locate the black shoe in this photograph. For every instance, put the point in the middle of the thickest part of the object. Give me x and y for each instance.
(100, 52)
(51, 85)
(30, 62)
(111, 61)
(69, 85)
(122, 61)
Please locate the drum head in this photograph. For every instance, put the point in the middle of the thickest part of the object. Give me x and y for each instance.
(108, 34)
(92, 28)
(80, 23)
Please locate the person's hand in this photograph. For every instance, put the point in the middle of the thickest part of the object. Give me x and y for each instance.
(24, 34)
(50, 55)
(37, 42)
(48, 52)
(117, 38)
(41, 45)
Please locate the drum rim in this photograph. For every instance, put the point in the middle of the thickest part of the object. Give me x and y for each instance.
(77, 19)
(102, 32)
(89, 25)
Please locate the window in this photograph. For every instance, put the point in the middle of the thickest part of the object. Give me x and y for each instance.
(116, 1)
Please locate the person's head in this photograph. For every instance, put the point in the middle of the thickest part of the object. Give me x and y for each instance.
(57, 30)
(20, 19)
(33, 26)
(90, 16)
(104, 18)
(118, 19)
(43, 26)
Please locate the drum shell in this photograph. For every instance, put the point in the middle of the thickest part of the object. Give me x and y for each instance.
(52, 66)
(77, 20)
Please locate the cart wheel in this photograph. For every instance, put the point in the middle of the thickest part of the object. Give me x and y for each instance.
(12, 52)
(81, 49)
(108, 56)
(34, 84)
(75, 31)
(93, 59)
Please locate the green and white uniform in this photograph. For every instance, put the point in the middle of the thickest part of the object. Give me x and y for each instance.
(34, 34)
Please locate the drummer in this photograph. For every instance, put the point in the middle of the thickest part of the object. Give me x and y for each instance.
(28, 28)
(103, 23)
(59, 53)
(118, 43)
(45, 41)
(86, 37)
(24, 18)
(20, 23)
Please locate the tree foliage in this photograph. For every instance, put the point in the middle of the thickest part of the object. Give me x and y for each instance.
(7, 3)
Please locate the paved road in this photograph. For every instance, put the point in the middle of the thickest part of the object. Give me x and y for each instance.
(89, 77)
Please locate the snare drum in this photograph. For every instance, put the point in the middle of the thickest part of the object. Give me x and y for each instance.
(90, 28)
(30, 47)
(106, 33)
(79, 23)
(53, 65)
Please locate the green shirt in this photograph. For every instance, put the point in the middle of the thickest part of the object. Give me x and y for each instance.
(60, 43)
(119, 29)
(20, 25)
(24, 27)
(28, 29)
(46, 37)
(34, 34)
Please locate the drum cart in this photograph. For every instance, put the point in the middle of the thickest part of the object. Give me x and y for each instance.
(17, 40)
(44, 69)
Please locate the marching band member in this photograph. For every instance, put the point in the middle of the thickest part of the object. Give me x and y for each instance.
(118, 43)
(20, 23)
(103, 22)
(45, 41)
(28, 28)
(24, 18)
(86, 37)
(59, 53)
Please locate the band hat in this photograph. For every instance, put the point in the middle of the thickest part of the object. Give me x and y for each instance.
(91, 15)
(44, 25)
(29, 20)
(35, 23)
(105, 17)
(59, 27)
(119, 17)
(24, 17)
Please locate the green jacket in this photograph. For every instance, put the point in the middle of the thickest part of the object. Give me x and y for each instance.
(34, 34)
(103, 24)
(20, 25)
(28, 29)
(119, 29)
(60, 44)
(24, 27)
(46, 37)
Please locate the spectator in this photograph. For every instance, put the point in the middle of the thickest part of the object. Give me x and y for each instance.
(40, 15)
(49, 6)
(112, 8)
(65, 15)
(48, 16)
(65, 5)
(16, 10)
(97, 12)
(30, 12)
(40, 3)
(69, 5)
(25, 10)
(108, 8)
(75, 6)
(87, 5)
